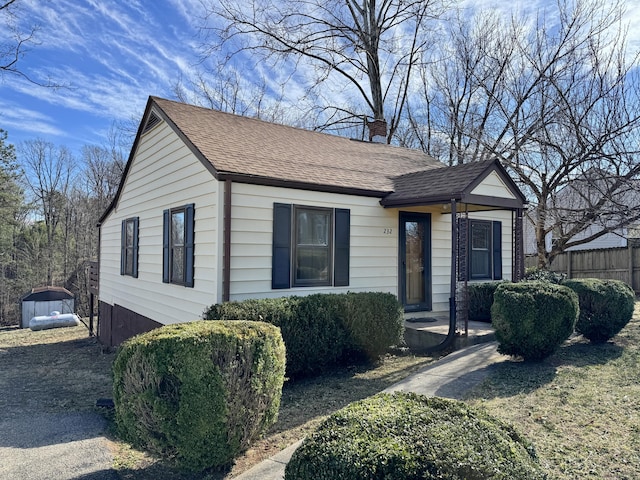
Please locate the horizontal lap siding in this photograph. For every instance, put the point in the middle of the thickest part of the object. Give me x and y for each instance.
(164, 174)
(373, 254)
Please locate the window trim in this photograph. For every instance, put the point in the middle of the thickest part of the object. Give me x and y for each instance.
(129, 251)
(187, 279)
(296, 282)
(494, 250)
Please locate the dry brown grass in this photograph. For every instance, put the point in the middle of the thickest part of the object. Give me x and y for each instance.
(580, 407)
(52, 370)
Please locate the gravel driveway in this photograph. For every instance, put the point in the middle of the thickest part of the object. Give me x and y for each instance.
(49, 381)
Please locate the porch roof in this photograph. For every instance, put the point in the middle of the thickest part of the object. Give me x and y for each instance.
(461, 183)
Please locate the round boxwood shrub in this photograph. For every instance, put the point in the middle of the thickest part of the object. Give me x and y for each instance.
(532, 319)
(404, 436)
(198, 393)
(606, 306)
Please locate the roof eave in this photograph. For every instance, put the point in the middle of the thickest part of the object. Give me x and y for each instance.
(283, 183)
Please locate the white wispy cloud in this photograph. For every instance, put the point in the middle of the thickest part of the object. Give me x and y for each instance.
(16, 117)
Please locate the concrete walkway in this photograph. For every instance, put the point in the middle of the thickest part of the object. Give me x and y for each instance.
(449, 377)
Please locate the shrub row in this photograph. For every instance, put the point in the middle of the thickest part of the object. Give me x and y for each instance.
(323, 330)
(199, 393)
(404, 436)
(533, 318)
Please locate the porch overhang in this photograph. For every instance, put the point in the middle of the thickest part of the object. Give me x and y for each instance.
(472, 202)
(478, 185)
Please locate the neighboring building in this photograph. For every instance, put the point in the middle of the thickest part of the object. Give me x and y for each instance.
(214, 207)
(573, 202)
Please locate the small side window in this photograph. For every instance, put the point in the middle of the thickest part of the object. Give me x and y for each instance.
(178, 245)
(129, 247)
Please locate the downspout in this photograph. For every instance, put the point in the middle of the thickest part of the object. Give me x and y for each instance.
(226, 255)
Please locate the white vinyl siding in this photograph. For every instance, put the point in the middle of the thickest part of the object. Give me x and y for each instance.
(374, 243)
(373, 253)
(164, 174)
(493, 186)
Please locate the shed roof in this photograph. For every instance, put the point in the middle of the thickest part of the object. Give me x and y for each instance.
(47, 294)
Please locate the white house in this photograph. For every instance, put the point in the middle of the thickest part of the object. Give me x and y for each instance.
(214, 207)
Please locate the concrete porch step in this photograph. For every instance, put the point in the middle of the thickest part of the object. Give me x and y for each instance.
(424, 332)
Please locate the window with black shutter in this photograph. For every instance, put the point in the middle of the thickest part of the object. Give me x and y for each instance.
(310, 246)
(178, 245)
(485, 250)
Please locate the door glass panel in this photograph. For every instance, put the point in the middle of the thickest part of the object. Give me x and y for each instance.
(414, 261)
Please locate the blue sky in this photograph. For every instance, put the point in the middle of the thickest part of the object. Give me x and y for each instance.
(111, 55)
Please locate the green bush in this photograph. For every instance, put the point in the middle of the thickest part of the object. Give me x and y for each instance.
(532, 319)
(199, 393)
(480, 296)
(404, 436)
(374, 321)
(324, 330)
(606, 306)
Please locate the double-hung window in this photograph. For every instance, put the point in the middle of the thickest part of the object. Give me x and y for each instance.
(129, 247)
(310, 246)
(178, 245)
(485, 250)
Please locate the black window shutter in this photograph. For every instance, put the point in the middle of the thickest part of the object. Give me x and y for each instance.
(165, 246)
(135, 247)
(281, 259)
(342, 240)
(123, 246)
(497, 250)
(189, 249)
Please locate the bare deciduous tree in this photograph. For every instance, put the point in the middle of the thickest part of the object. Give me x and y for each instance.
(49, 172)
(367, 49)
(557, 99)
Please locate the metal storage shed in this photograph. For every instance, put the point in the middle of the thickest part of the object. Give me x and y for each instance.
(44, 300)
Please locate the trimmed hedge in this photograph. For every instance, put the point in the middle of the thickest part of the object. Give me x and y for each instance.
(374, 322)
(324, 330)
(606, 306)
(532, 319)
(199, 393)
(404, 436)
(480, 296)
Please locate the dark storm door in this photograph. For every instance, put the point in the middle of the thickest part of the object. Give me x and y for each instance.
(415, 261)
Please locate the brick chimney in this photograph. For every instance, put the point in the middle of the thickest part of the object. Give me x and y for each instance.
(377, 130)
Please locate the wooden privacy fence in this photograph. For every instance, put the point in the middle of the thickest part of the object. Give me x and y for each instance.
(606, 263)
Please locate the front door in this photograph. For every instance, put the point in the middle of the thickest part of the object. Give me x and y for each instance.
(415, 261)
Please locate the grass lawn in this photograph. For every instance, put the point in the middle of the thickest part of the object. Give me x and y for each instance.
(580, 407)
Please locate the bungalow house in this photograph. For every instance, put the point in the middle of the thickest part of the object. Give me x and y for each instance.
(214, 207)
